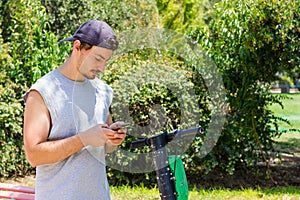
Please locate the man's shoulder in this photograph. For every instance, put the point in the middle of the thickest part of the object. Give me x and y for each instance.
(49, 82)
(41, 85)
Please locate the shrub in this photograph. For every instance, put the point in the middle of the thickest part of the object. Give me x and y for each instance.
(12, 155)
(28, 52)
(153, 91)
(250, 42)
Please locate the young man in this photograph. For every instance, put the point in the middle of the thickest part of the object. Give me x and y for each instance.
(67, 126)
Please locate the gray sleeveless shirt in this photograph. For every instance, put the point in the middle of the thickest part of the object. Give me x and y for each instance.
(73, 107)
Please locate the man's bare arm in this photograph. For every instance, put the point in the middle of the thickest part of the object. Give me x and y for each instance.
(37, 124)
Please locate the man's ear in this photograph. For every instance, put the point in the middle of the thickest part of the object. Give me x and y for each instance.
(76, 45)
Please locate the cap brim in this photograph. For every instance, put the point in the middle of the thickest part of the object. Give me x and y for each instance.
(67, 39)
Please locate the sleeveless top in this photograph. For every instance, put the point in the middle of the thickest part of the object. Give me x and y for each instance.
(74, 107)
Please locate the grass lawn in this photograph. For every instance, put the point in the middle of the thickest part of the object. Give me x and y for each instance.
(141, 193)
(290, 111)
(289, 142)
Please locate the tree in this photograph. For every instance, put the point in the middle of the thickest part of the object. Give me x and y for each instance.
(250, 41)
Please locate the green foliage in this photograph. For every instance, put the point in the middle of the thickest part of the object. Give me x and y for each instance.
(67, 16)
(183, 15)
(33, 49)
(257, 33)
(143, 92)
(250, 41)
(28, 51)
(12, 157)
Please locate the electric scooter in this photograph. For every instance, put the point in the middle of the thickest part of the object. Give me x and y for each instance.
(171, 178)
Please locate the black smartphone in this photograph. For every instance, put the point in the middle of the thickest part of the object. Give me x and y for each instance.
(120, 126)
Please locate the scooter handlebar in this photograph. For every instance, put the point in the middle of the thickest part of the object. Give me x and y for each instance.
(170, 136)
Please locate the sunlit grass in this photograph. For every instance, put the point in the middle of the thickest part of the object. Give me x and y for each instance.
(289, 141)
(142, 193)
(138, 193)
(250, 194)
(290, 111)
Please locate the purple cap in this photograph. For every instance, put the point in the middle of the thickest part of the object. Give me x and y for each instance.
(96, 33)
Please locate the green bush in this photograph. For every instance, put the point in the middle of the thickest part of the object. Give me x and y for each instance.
(148, 88)
(160, 89)
(184, 16)
(250, 42)
(28, 51)
(12, 155)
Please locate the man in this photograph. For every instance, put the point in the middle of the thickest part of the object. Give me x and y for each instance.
(67, 126)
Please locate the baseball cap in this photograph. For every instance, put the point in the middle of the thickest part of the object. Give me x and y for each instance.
(96, 33)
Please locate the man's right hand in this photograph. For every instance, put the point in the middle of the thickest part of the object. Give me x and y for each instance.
(96, 136)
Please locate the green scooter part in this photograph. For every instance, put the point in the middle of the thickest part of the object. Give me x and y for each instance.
(181, 184)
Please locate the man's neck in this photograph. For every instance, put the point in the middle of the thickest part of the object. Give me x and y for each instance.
(69, 70)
